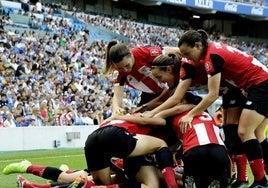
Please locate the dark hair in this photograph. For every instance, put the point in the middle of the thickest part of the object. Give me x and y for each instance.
(192, 99)
(163, 61)
(192, 36)
(115, 52)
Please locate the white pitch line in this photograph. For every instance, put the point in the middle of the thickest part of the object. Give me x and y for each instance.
(60, 156)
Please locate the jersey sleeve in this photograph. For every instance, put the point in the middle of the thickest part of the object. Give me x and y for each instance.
(214, 65)
(187, 71)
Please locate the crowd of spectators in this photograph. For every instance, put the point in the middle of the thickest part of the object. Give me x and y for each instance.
(55, 79)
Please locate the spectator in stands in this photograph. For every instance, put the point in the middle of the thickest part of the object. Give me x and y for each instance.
(36, 116)
(4, 111)
(68, 115)
(9, 122)
(39, 6)
(21, 121)
(78, 117)
(51, 112)
(3, 100)
(25, 5)
(59, 118)
(19, 110)
(107, 111)
(86, 118)
(44, 111)
(2, 124)
(32, 123)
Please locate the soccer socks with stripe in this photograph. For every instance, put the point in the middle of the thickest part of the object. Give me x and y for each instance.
(241, 163)
(164, 159)
(49, 173)
(253, 151)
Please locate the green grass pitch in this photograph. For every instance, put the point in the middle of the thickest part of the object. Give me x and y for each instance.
(74, 158)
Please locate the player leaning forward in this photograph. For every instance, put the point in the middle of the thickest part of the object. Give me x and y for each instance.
(245, 72)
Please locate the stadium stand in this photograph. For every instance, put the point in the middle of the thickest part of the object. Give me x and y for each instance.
(21, 20)
(66, 55)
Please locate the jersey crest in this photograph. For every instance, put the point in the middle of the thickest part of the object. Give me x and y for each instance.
(154, 52)
(209, 67)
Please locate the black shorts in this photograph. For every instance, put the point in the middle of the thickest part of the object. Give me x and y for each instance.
(257, 98)
(207, 161)
(146, 97)
(233, 98)
(105, 143)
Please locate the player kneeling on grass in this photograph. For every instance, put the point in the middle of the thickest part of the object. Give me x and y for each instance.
(126, 137)
(65, 178)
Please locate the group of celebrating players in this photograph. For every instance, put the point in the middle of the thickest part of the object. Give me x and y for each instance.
(171, 127)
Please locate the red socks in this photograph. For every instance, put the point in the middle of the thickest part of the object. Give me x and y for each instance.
(34, 185)
(241, 162)
(89, 184)
(36, 170)
(233, 165)
(169, 177)
(256, 165)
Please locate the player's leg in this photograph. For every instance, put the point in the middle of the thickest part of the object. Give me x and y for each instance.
(141, 173)
(24, 183)
(233, 101)
(264, 142)
(47, 172)
(149, 144)
(249, 122)
(253, 116)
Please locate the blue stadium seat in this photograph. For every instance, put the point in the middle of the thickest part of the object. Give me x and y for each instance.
(6, 10)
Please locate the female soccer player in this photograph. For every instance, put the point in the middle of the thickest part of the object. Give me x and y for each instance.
(166, 69)
(124, 137)
(205, 158)
(132, 67)
(183, 73)
(243, 71)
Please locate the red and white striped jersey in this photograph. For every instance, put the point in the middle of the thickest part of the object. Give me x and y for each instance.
(202, 132)
(68, 118)
(60, 120)
(140, 76)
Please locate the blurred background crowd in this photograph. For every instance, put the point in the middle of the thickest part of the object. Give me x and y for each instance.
(52, 76)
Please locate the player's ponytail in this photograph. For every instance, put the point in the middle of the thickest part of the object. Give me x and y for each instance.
(204, 37)
(108, 63)
(191, 37)
(115, 52)
(163, 61)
